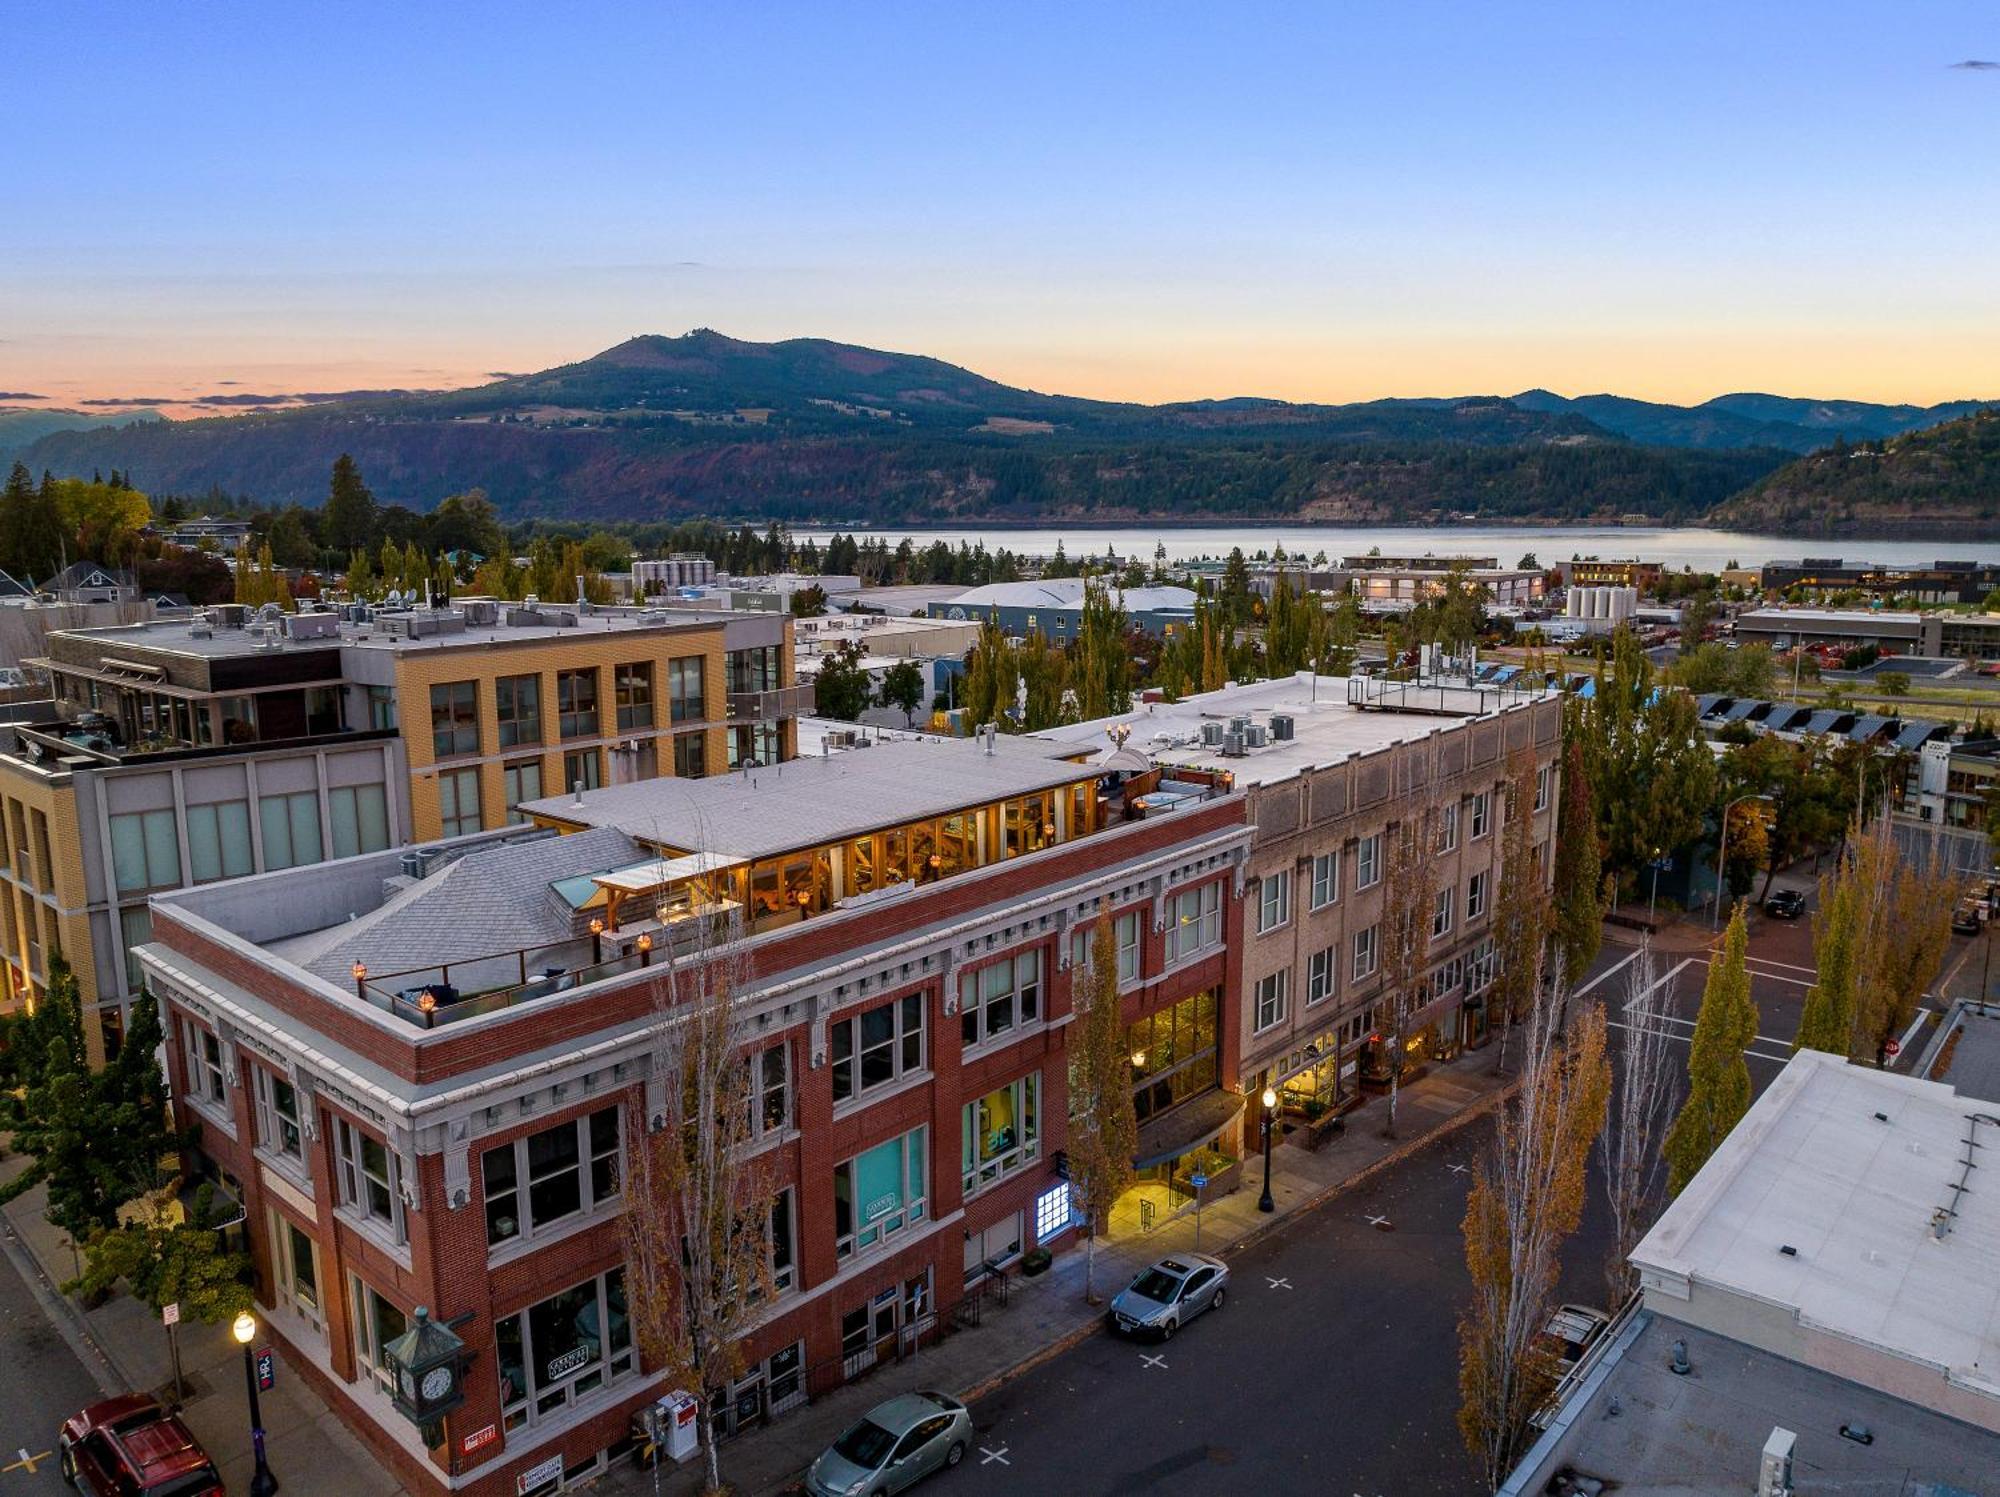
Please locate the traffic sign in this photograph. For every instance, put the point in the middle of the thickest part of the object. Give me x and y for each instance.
(1893, 1047)
(171, 1314)
(1199, 1182)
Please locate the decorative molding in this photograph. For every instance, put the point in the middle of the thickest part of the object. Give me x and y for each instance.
(458, 1163)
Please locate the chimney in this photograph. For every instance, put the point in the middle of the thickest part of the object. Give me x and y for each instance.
(577, 790)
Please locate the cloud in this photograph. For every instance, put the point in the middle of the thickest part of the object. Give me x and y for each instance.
(20, 395)
(229, 382)
(501, 374)
(1976, 65)
(128, 400)
(243, 400)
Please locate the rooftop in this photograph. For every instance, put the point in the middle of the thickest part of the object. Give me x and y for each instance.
(812, 802)
(1780, 617)
(1326, 727)
(1644, 1431)
(1067, 592)
(1971, 1061)
(1858, 1172)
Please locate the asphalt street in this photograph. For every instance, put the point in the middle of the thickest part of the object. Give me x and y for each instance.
(41, 1384)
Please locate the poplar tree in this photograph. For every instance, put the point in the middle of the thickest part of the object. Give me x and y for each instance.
(1409, 901)
(1102, 670)
(1718, 1073)
(1840, 926)
(1103, 1125)
(1522, 916)
(1579, 872)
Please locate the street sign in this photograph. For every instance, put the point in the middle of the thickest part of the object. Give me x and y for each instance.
(1199, 1182)
(267, 1369)
(171, 1314)
(1893, 1047)
(479, 1439)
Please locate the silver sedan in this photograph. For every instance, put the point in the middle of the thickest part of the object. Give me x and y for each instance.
(1169, 1294)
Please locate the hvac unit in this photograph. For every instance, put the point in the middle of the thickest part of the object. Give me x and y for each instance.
(1232, 744)
(1257, 736)
(1212, 734)
(1282, 726)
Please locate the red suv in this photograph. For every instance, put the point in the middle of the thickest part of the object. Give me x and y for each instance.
(132, 1447)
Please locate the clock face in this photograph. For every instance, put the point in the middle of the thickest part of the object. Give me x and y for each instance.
(409, 1384)
(437, 1383)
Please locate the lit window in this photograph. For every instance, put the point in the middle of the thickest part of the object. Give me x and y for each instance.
(999, 1133)
(1194, 921)
(1052, 1211)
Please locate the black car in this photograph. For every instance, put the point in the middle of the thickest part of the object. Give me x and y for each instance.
(1786, 904)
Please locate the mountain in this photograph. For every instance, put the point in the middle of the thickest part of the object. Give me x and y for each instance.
(1746, 421)
(20, 426)
(1943, 480)
(812, 430)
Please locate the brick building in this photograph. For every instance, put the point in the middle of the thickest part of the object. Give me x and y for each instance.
(421, 1079)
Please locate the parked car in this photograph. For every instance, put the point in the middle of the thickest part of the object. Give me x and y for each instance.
(1786, 904)
(1969, 916)
(133, 1447)
(1169, 1294)
(1572, 1330)
(894, 1445)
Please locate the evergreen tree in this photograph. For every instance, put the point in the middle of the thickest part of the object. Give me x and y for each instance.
(1102, 670)
(903, 686)
(842, 689)
(1718, 1074)
(350, 517)
(1103, 1126)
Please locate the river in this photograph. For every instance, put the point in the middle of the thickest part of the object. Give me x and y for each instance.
(1703, 550)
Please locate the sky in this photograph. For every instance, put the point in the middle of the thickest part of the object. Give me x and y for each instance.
(1148, 201)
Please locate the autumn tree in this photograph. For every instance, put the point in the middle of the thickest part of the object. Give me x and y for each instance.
(698, 1209)
(1343, 633)
(1718, 1074)
(170, 1259)
(1906, 944)
(1103, 1126)
(1522, 916)
(1642, 1100)
(1409, 900)
(1526, 1202)
(1843, 928)
(260, 580)
(1579, 876)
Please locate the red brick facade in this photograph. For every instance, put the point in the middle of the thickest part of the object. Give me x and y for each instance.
(450, 1269)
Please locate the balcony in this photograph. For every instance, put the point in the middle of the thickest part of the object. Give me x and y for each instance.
(773, 705)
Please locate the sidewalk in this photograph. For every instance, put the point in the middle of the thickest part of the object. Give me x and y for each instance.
(1045, 1316)
(123, 1345)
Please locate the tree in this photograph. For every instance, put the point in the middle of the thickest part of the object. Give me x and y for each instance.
(809, 602)
(1101, 667)
(842, 688)
(261, 580)
(1525, 1204)
(1906, 943)
(1894, 683)
(169, 1260)
(1103, 1127)
(698, 1206)
(1045, 680)
(991, 687)
(349, 519)
(1718, 1074)
(469, 522)
(1343, 632)
(1409, 900)
(903, 686)
(1842, 928)
(1579, 876)
(1629, 1150)
(1522, 916)
(1744, 672)
(33, 538)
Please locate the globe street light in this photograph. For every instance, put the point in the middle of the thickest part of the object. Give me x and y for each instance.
(1722, 854)
(262, 1482)
(1270, 1099)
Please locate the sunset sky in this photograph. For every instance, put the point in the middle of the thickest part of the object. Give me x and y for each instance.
(1145, 201)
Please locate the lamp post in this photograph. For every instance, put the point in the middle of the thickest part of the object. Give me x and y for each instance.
(1653, 904)
(262, 1482)
(1722, 855)
(1270, 1100)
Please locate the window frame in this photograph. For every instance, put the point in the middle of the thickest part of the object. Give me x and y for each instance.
(579, 713)
(206, 1067)
(351, 1142)
(1325, 879)
(1367, 861)
(1021, 999)
(1322, 975)
(763, 1090)
(611, 1366)
(454, 825)
(1448, 827)
(632, 694)
(978, 1174)
(902, 1033)
(1545, 775)
(1444, 908)
(1482, 814)
(454, 719)
(862, 1239)
(1366, 942)
(519, 721)
(594, 1200)
(1205, 922)
(513, 793)
(1475, 895)
(280, 1132)
(1274, 914)
(1271, 1000)
(687, 703)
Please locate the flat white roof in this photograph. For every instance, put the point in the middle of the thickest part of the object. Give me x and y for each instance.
(1812, 1167)
(1326, 730)
(1782, 617)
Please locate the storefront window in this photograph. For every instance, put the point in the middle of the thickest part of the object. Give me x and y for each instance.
(563, 1349)
(1173, 1055)
(1000, 1132)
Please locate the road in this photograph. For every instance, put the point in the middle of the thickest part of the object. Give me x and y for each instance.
(41, 1383)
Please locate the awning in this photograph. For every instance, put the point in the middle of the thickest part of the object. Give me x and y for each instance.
(1188, 1126)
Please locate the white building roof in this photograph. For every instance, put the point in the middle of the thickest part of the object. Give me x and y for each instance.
(1325, 729)
(1067, 592)
(1785, 618)
(1849, 1167)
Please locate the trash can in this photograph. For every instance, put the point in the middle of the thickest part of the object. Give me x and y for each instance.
(678, 1412)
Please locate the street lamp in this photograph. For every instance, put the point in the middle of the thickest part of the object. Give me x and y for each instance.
(262, 1482)
(1270, 1099)
(1722, 854)
(1653, 904)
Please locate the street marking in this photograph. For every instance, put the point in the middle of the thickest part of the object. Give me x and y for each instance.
(1277, 1283)
(1686, 1039)
(988, 1457)
(1923, 1016)
(25, 1460)
(1157, 1359)
(1610, 971)
(1458, 1169)
(1378, 1221)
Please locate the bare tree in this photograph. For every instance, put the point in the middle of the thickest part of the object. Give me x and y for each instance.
(1103, 1126)
(1409, 901)
(1526, 1202)
(698, 1203)
(1907, 945)
(1629, 1149)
